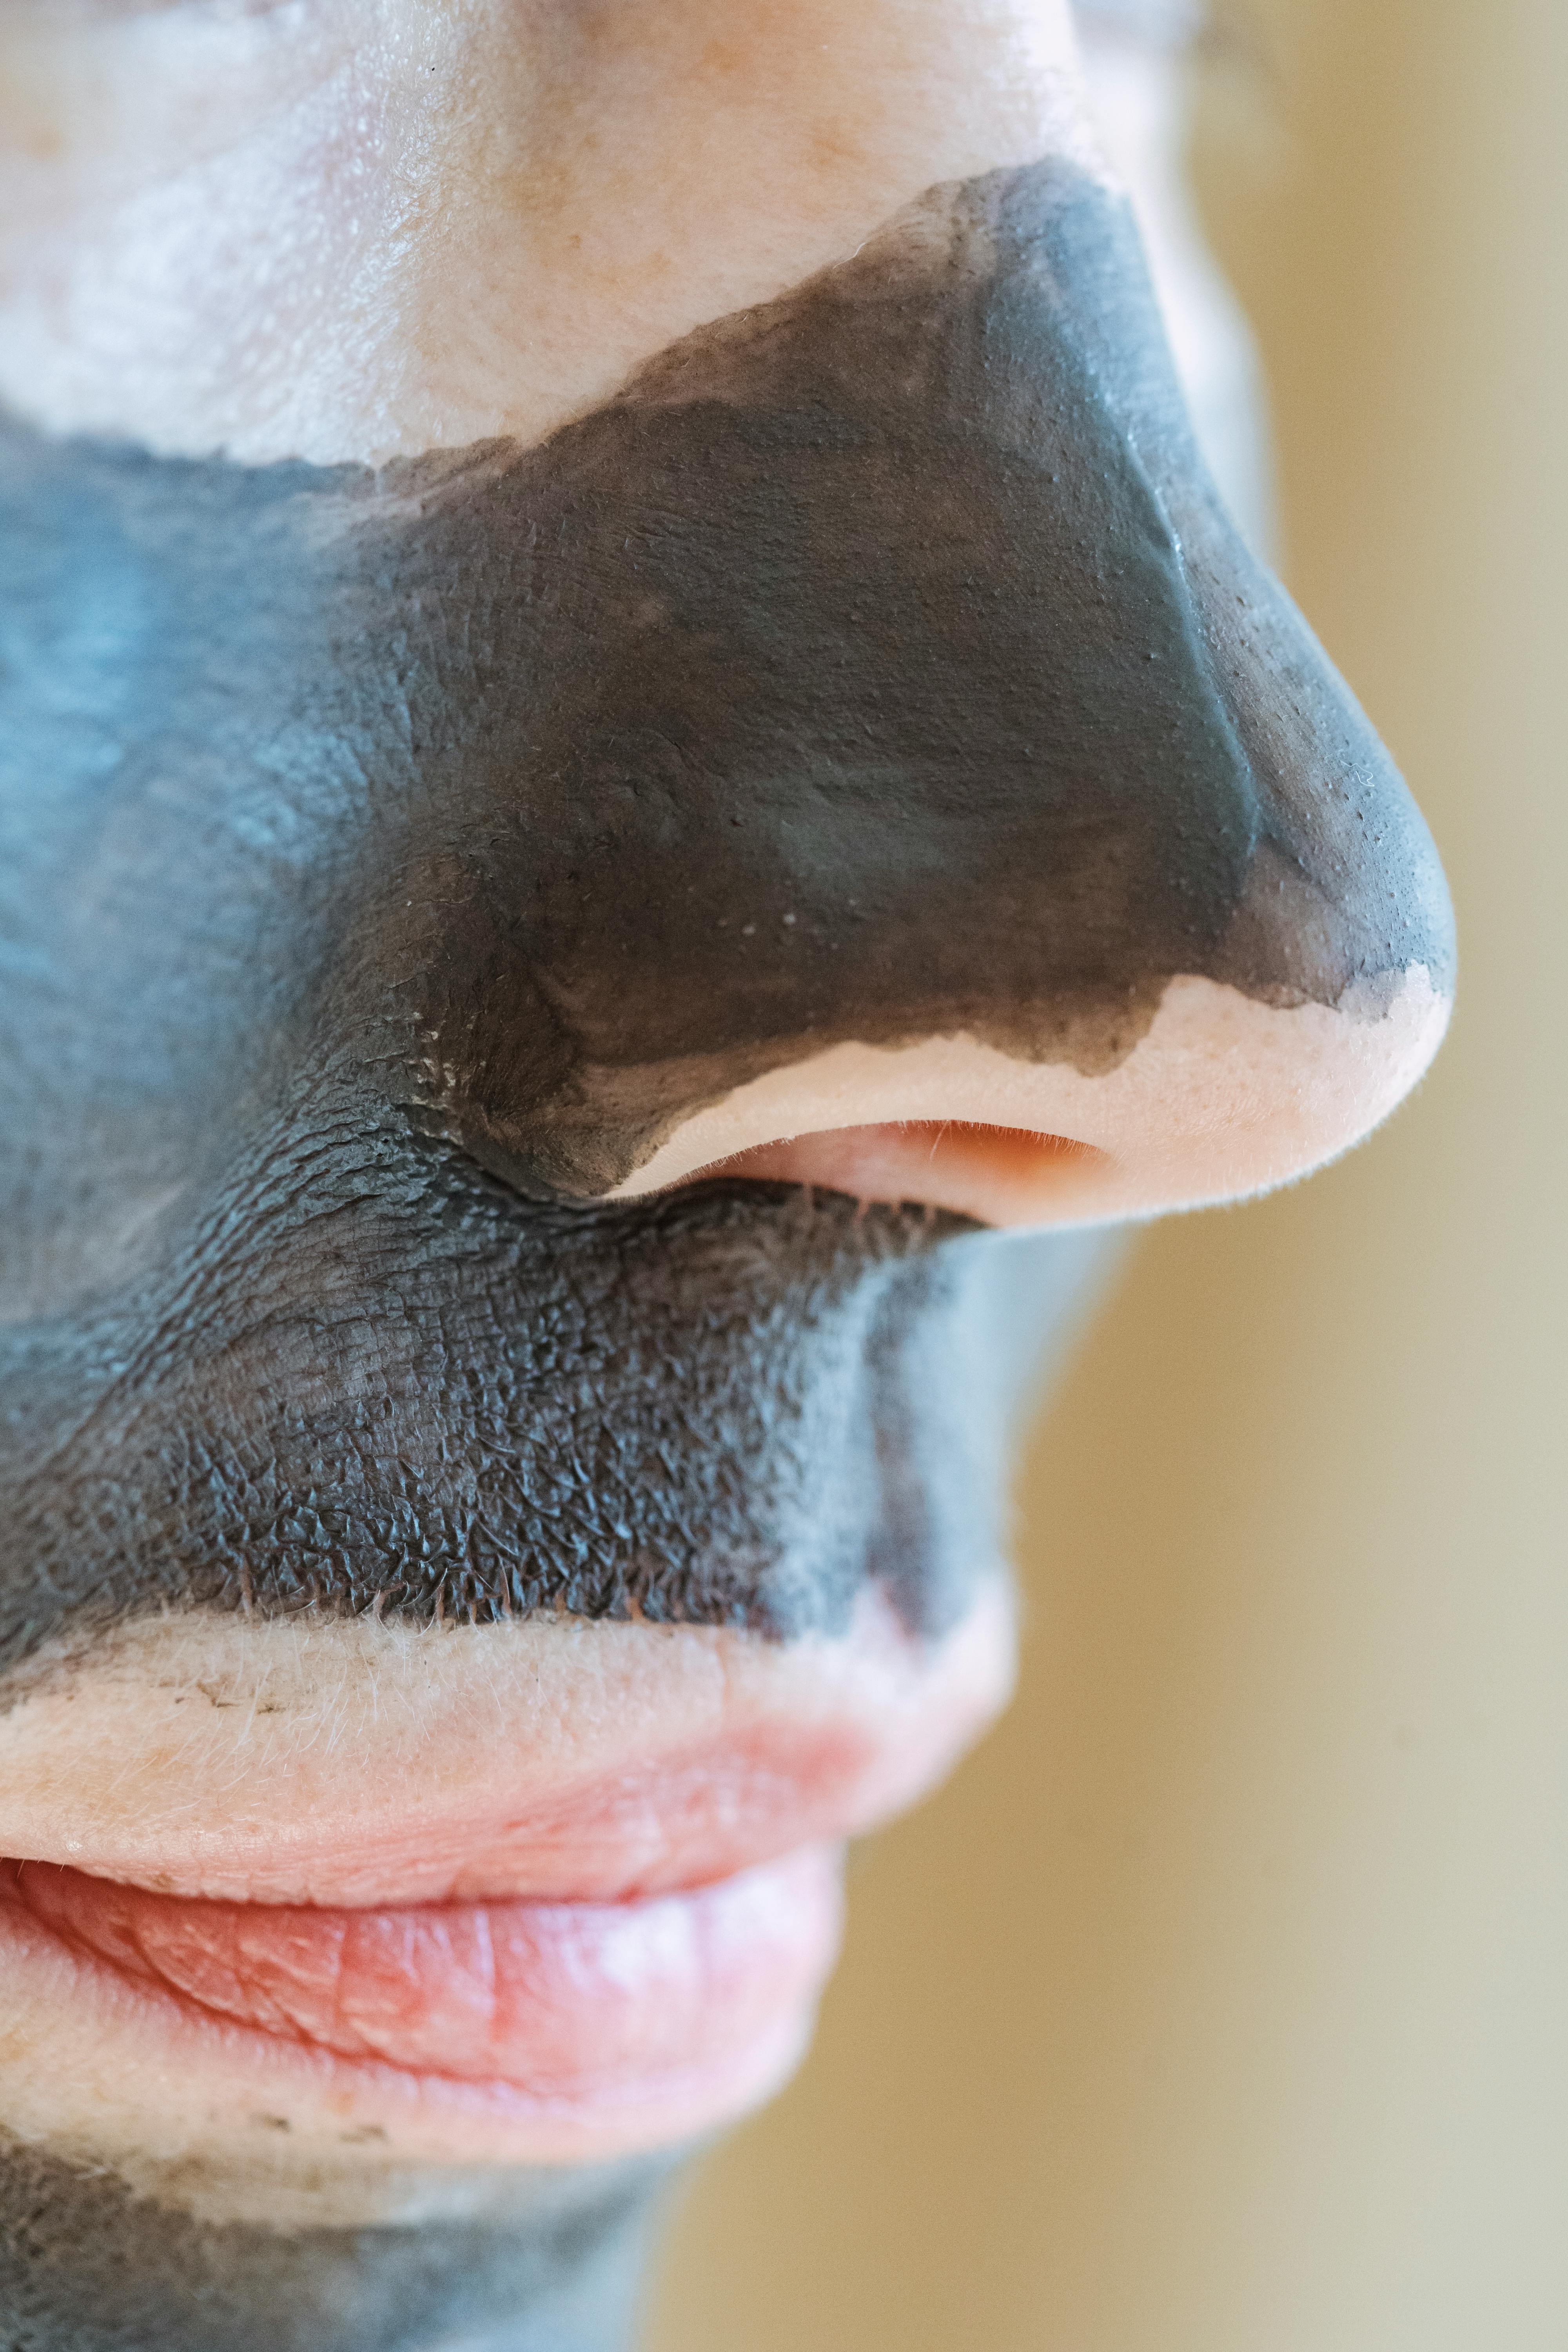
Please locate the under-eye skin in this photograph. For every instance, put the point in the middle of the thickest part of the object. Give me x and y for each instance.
(423, 846)
(68, 16)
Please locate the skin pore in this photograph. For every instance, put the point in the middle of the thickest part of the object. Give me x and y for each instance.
(591, 597)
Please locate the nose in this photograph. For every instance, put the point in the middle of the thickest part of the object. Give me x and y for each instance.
(928, 762)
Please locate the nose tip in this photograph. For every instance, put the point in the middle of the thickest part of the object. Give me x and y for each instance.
(1223, 1097)
(1199, 1052)
(958, 765)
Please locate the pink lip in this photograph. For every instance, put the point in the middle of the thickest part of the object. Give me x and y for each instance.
(572, 2005)
(695, 1814)
(466, 1894)
(641, 1951)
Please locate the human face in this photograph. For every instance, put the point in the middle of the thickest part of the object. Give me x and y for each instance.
(631, 718)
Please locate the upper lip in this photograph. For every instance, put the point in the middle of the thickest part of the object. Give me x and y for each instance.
(407, 1388)
(552, 1761)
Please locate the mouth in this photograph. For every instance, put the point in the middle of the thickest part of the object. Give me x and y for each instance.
(475, 1893)
(592, 2028)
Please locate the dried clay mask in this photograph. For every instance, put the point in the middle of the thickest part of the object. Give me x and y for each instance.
(530, 970)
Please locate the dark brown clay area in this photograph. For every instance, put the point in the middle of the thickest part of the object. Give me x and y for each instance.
(880, 665)
(387, 861)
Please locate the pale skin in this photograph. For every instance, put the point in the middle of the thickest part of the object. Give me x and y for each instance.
(350, 231)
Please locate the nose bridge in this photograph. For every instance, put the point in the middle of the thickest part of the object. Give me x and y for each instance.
(1344, 895)
(1343, 888)
(880, 668)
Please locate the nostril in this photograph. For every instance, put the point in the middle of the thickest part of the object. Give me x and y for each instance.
(1221, 1098)
(998, 1175)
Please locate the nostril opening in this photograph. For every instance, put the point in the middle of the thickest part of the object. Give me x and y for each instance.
(998, 1175)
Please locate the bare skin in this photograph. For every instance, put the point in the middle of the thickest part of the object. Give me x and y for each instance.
(353, 234)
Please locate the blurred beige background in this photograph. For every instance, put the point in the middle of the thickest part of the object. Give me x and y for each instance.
(1219, 2007)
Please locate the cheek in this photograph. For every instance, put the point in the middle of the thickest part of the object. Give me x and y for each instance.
(357, 230)
(195, 208)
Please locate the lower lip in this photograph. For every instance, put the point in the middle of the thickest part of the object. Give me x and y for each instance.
(637, 2021)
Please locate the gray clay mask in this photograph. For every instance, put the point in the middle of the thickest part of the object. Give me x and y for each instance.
(390, 862)
(393, 858)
